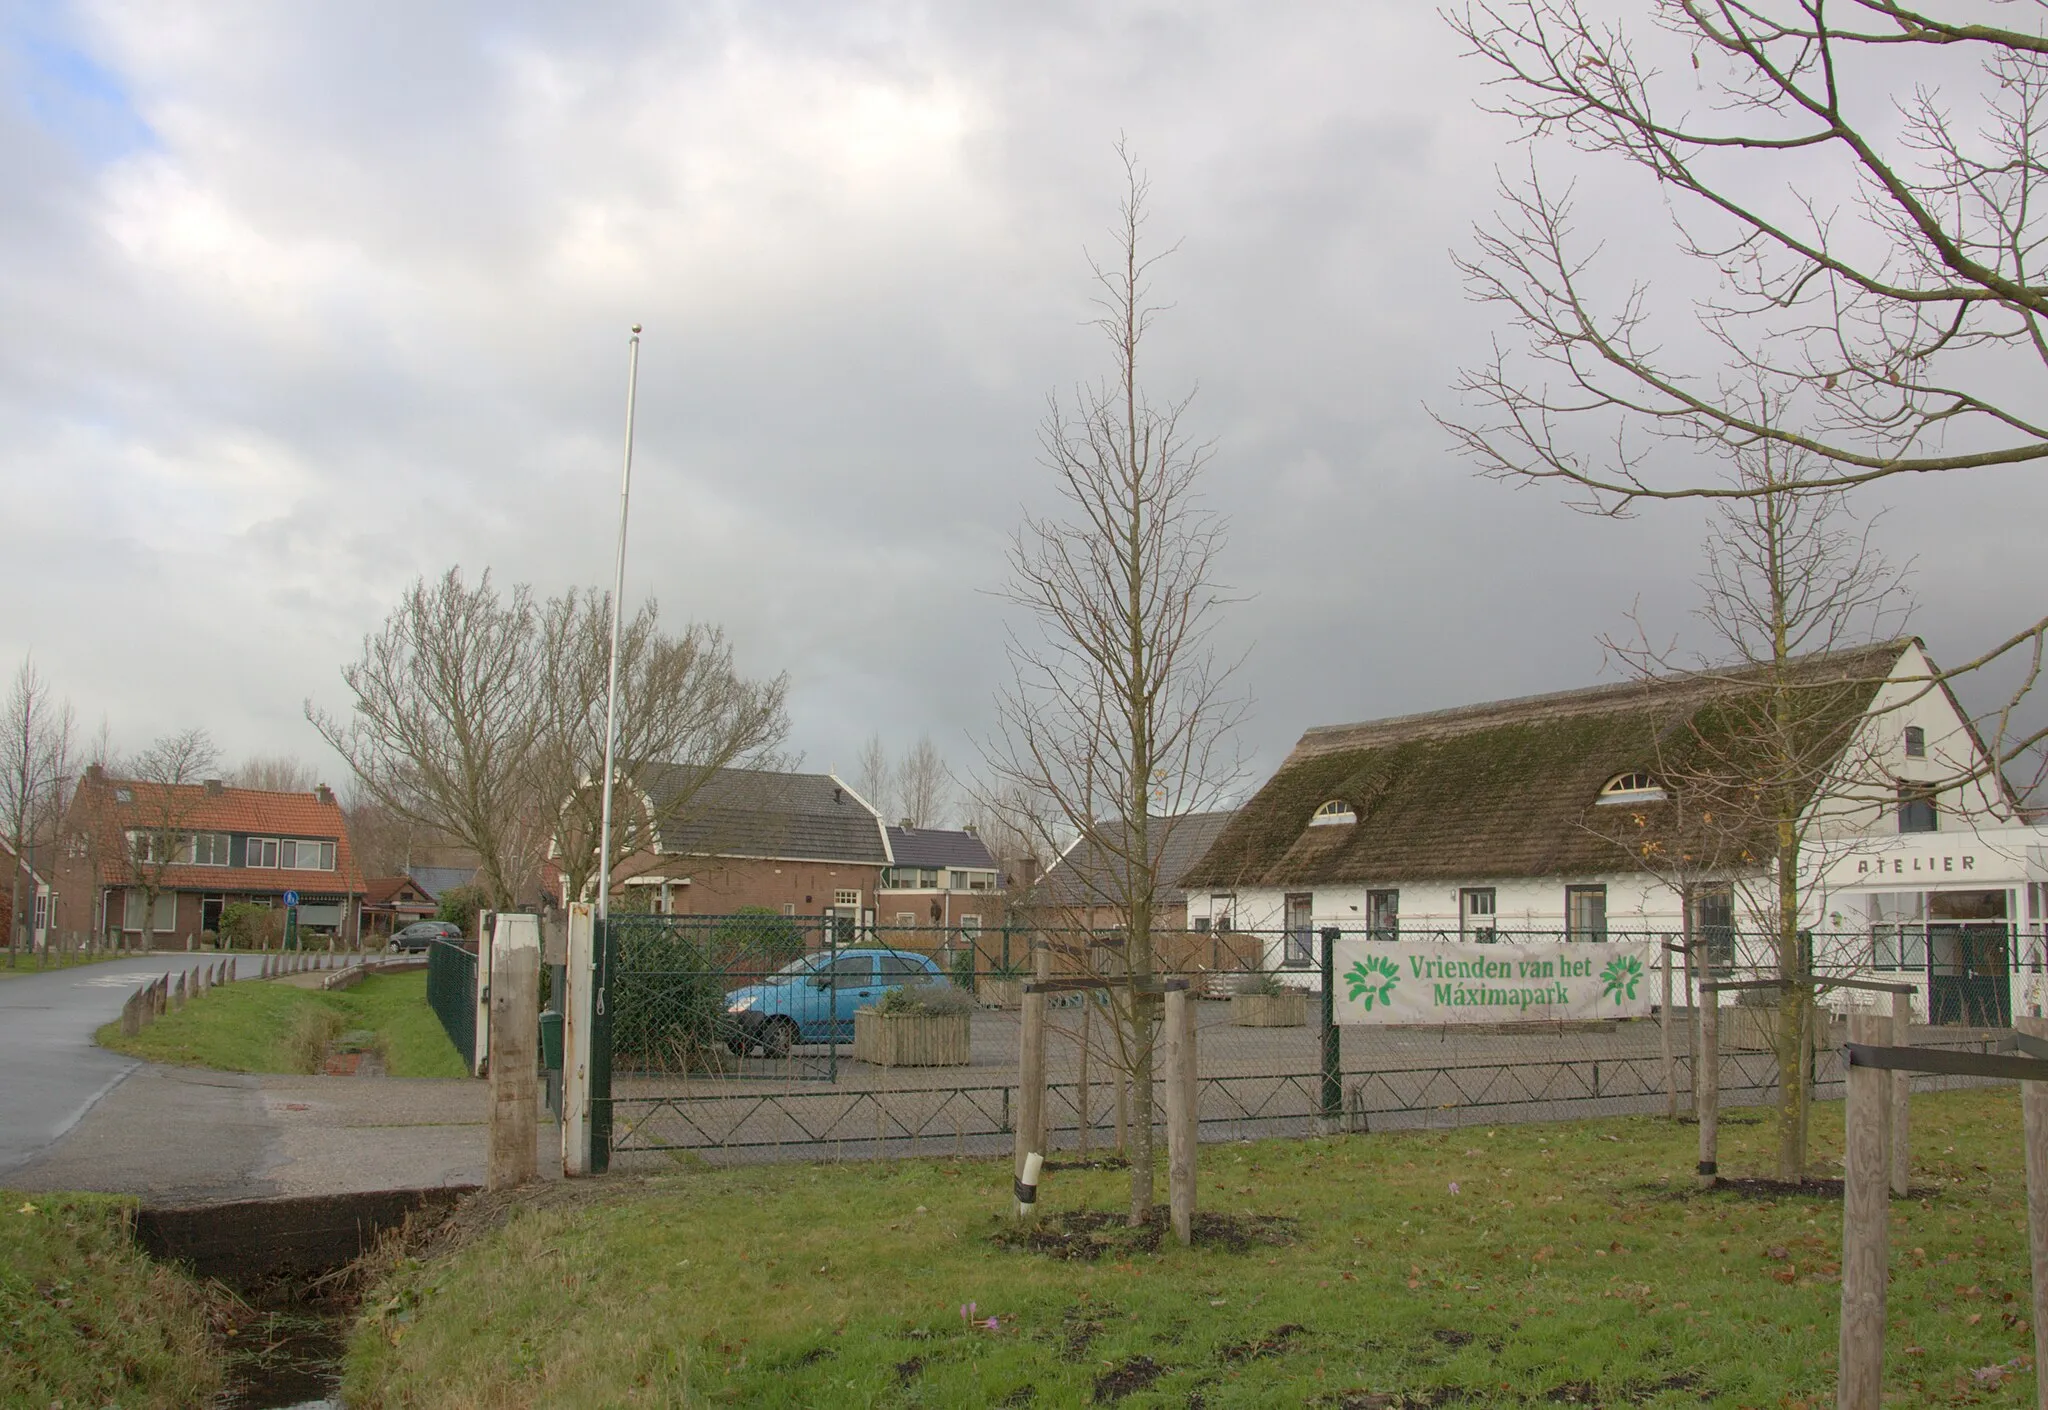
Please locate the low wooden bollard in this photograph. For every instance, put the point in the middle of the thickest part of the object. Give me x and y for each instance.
(1866, 1218)
(1182, 1112)
(515, 1037)
(2034, 1118)
(1708, 1102)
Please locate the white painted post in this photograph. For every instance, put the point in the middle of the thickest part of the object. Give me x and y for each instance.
(576, 1021)
(485, 929)
(515, 1043)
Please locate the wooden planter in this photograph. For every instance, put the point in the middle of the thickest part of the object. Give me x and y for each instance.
(1000, 993)
(912, 1039)
(1289, 1010)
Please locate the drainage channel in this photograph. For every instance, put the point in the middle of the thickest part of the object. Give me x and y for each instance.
(286, 1259)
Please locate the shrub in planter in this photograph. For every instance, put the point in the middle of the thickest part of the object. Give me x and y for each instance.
(1262, 1001)
(918, 1025)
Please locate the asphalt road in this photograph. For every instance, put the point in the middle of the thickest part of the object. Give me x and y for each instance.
(51, 1073)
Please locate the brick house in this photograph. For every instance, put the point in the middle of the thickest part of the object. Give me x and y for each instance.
(29, 888)
(939, 878)
(798, 844)
(201, 847)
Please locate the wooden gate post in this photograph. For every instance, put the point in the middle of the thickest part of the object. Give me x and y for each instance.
(1182, 1112)
(2034, 1115)
(1866, 1157)
(514, 1038)
(1902, 1097)
(1708, 1103)
(577, 997)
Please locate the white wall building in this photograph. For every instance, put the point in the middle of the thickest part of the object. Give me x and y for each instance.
(1561, 817)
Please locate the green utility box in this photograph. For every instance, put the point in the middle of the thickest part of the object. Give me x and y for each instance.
(551, 1041)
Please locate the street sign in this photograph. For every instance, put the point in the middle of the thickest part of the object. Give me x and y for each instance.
(291, 898)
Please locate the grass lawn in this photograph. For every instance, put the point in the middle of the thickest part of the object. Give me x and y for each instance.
(87, 1320)
(1555, 1264)
(254, 1026)
(26, 964)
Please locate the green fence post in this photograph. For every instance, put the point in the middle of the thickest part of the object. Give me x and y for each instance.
(1333, 1057)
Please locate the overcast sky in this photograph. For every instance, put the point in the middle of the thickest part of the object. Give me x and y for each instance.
(300, 302)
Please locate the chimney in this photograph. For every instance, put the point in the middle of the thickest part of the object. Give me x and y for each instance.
(905, 824)
(324, 794)
(213, 788)
(95, 773)
(969, 830)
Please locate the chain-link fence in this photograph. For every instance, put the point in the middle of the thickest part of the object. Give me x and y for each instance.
(451, 994)
(742, 1037)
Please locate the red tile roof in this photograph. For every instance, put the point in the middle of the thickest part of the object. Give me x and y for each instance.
(197, 808)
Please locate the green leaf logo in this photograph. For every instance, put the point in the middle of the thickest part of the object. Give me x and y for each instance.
(1372, 981)
(1620, 977)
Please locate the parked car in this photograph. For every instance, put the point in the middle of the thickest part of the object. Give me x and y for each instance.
(422, 933)
(812, 1000)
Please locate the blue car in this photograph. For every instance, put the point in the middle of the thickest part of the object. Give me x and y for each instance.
(812, 1000)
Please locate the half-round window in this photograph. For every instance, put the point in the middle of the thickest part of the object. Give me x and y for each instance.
(1637, 787)
(1334, 813)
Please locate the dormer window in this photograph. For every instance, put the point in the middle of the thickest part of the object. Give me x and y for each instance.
(1635, 787)
(1916, 742)
(1334, 813)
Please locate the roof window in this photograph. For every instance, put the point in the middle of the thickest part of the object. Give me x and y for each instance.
(1334, 813)
(1637, 787)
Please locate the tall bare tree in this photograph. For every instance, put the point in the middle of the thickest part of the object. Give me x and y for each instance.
(275, 773)
(1782, 750)
(924, 785)
(1119, 711)
(873, 777)
(35, 760)
(682, 702)
(447, 722)
(157, 819)
(1869, 252)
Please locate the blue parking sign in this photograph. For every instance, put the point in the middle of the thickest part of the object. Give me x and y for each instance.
(291, 898)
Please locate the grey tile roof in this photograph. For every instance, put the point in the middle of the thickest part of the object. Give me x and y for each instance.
(1085, 873)
(758, 813)
(435, 880)
(939, 847)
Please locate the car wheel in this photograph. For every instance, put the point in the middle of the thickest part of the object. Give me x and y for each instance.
(778, 1037)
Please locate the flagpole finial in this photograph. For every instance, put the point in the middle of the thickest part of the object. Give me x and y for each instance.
(636, 328)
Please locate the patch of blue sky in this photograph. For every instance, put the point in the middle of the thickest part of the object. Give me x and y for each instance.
(65, 91)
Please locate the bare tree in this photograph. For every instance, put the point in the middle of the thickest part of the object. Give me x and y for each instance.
(275, 773)
(157, 818)
(683, 706)
(924, 786)
(447, 722)
(1119, 710)
(872, 775)
(35, 762)
(1895, 328)
(1777, 751)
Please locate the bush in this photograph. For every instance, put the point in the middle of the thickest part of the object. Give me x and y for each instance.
(459, 906)
(668, 999)
(247, 926)
(755, 940)
(961, 966)
(1262, 982)
(312, 1031)
(927, 997)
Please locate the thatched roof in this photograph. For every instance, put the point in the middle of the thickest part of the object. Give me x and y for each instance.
(1507, 789)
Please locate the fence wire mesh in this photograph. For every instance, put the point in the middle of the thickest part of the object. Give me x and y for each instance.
(451, 994)
(739, 1038)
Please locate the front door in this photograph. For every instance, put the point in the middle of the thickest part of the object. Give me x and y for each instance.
(209, 913)
(1300, 948)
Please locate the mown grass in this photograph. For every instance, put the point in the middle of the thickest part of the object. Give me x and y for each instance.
(88, 1320)
(21, 964)
(1557, 1264)
(254, 1026)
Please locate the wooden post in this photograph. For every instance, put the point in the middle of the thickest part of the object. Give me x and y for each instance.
(1086, 1108)
(515, 1005)
(576, 1021)
(1708, 1102)
(131, 1015)
(2034, 1116)
(1030, 1078)
(1902, 1098)
(1664, 1040)
(1181, 1112)
(1865, 1223)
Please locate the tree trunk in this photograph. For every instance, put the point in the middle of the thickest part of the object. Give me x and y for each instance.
(1795, 1000)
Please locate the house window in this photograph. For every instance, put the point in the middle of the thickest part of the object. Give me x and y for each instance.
(210, 849)
(1634, 787)
(789, 908)
(1713, 925)
(1475, 914)
(1219, 910)
(1916, 808)
(1298, 947)
(846, 898)
(1898, 931)
(262, 852)
(1916, 742)
(906, 917)
(42, 919)
(1383, 914)
(1585, 913)
(1334, 813)
(305, 854)
(164, 919)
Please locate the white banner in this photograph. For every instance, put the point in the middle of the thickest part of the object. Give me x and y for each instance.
(1438, 982)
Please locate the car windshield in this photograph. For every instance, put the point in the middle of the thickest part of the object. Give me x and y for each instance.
(795, 968)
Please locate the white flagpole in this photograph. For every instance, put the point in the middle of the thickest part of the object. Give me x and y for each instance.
(611, 689)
